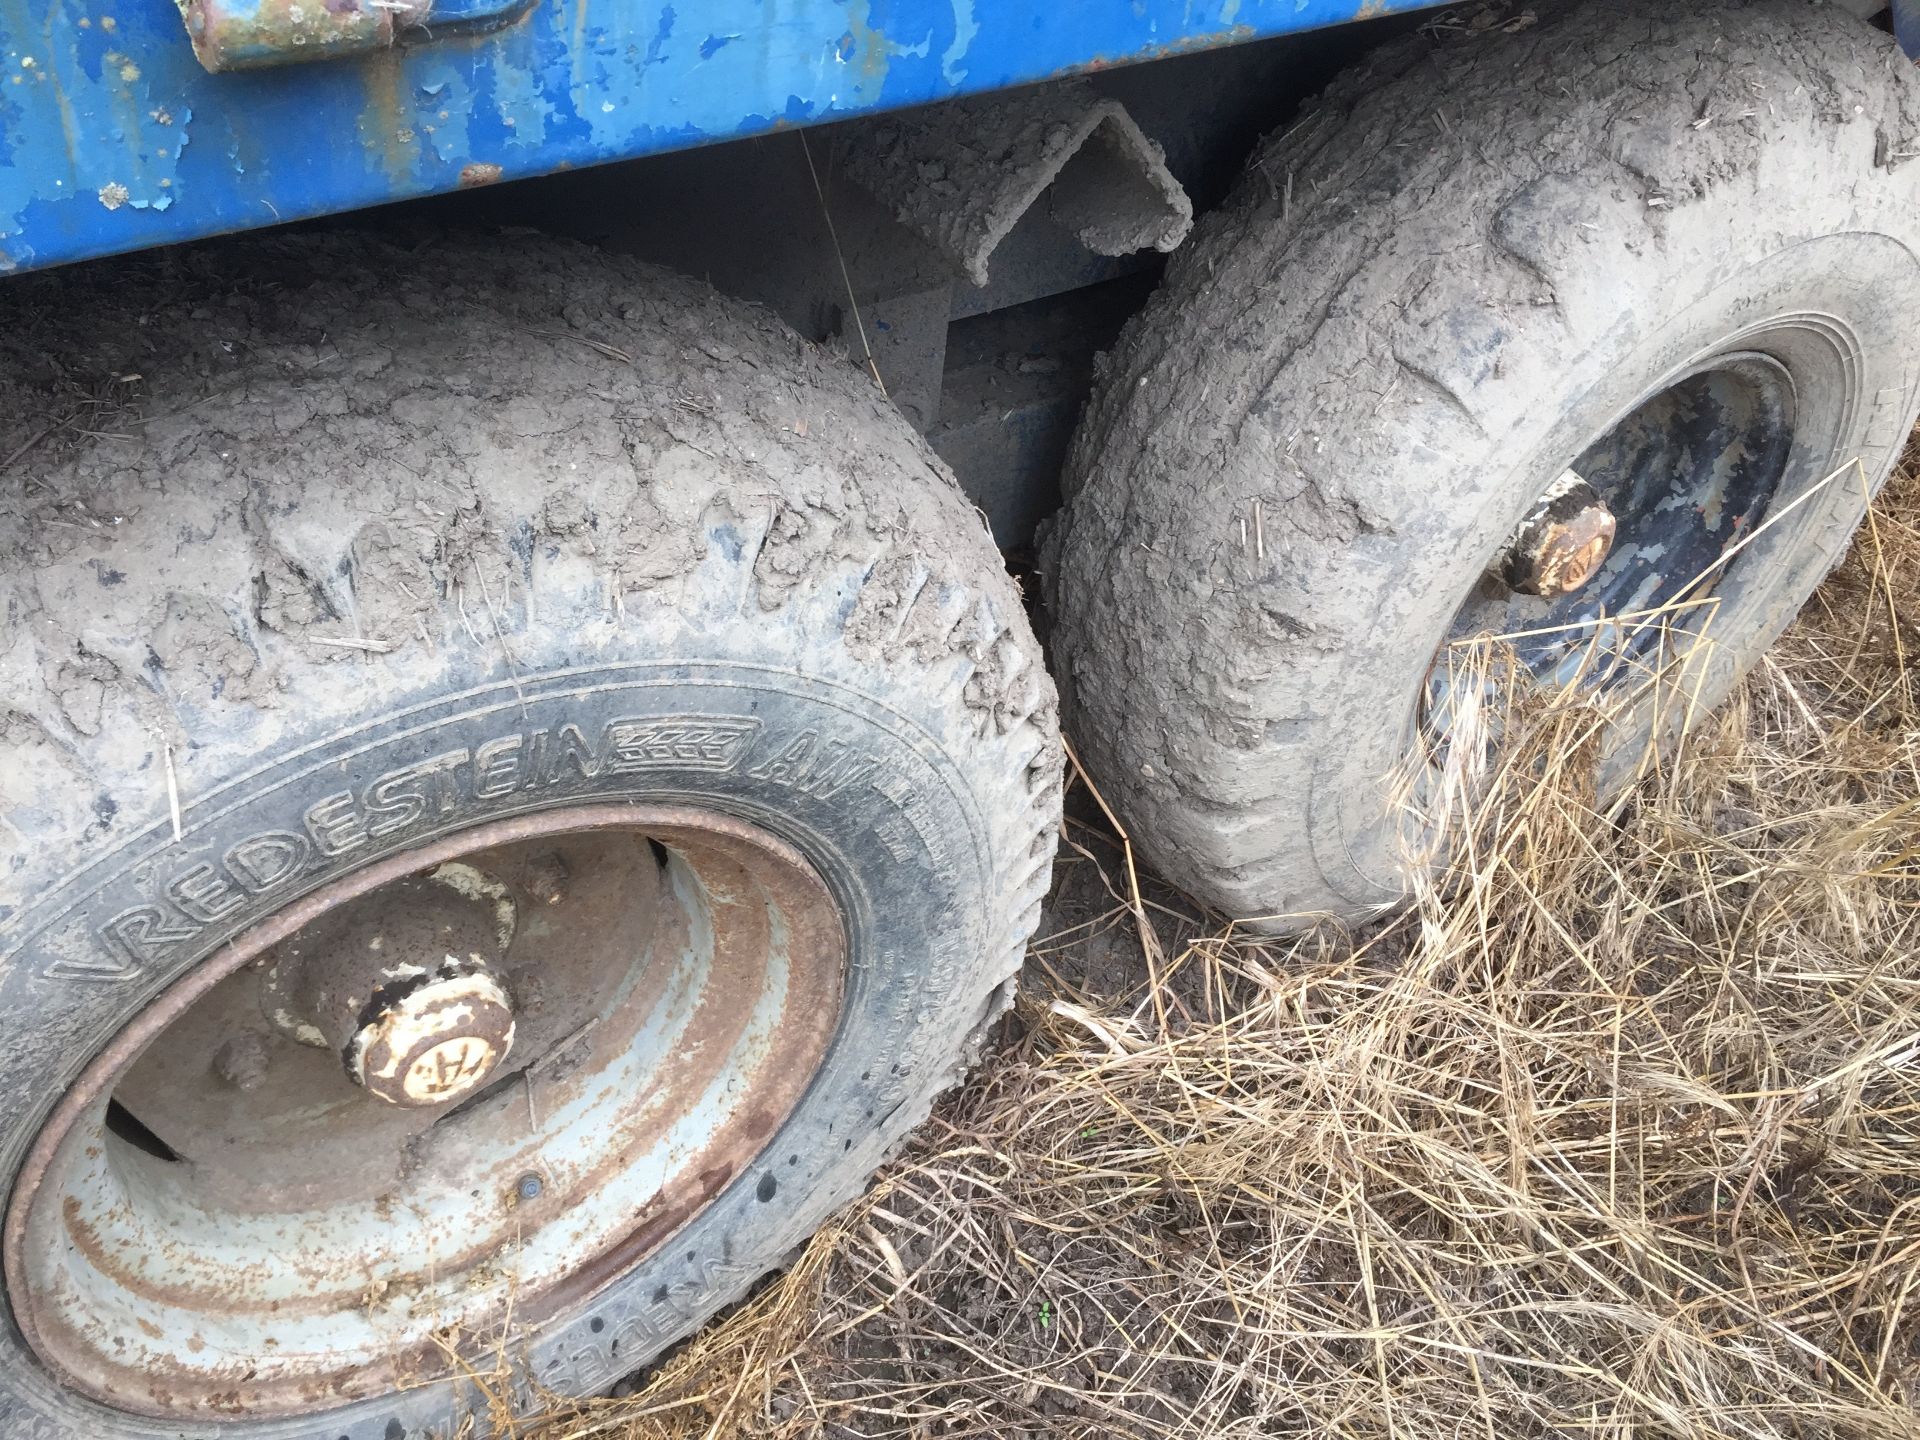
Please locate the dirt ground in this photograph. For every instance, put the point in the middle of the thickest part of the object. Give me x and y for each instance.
(1615, 1132)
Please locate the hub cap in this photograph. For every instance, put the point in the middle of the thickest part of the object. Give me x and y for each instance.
(1562, 543)
(475, 1082)
(402, 985)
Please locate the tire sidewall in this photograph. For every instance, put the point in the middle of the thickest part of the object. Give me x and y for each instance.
(869, 796)
(1853, 288)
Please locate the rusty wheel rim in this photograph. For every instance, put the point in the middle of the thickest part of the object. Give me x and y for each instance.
(225, 1218)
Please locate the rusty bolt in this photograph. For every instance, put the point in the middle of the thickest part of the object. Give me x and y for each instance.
(1561, 543)
(432, 1041)
(242, 1061)
(528, 1187)
(546, 879)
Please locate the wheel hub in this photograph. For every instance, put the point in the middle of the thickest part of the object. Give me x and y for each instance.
(458, 1089)
(404, 989)
(1645, 518)
(1562, 542)
(434, 1041)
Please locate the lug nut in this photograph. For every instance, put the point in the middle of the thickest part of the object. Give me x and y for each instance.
(1562, 541)
(242, 1061)
(546, 879)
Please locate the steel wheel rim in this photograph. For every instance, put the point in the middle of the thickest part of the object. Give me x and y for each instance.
(1690, 474)
(727, 1005)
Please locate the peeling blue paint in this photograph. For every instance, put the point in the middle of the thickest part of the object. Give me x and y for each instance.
(965, 28)
(96, 97)
(660, 37)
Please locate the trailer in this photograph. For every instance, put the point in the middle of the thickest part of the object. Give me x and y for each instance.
(527, 755)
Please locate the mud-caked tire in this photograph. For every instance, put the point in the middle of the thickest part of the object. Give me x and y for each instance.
(1474, 255)
(383, 544)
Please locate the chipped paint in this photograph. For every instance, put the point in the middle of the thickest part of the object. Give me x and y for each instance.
(965, 29)
(566, 84)
(387, 121)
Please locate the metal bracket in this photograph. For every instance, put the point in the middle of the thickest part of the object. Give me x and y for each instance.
(962, 175)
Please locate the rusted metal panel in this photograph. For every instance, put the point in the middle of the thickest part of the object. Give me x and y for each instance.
(113, 136)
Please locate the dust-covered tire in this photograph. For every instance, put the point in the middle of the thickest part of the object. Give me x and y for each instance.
(1474, 254)
(365, 504)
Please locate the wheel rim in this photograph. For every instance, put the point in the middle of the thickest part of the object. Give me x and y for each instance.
(1688, 477)
(220, 1219)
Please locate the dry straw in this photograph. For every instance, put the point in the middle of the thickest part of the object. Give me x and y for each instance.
(1614, 1132)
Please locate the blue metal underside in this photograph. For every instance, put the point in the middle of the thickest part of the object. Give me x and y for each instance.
(113, 138)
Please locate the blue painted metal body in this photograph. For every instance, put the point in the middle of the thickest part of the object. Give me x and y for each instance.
(113, 138)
